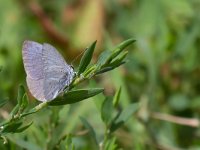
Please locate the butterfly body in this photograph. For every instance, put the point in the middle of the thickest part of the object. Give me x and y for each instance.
(47, 72)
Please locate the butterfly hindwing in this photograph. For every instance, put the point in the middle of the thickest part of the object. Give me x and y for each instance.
(36, 88)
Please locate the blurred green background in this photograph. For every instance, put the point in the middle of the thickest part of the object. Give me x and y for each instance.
(162, 73)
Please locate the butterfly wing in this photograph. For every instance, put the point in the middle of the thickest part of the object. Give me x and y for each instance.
(32, 58)
(35, 86)
(57, 74)
(33, 64)
(47, 71)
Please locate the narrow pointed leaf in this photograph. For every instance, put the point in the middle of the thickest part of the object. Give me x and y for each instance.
(23, 104)
(107, 110)
(124, 44)
(116, 97)
(25, 100)
(75, 96)
(90, 128)
(111, 144)
(21, 92)
(120, 58)
(106, 69)
(89, 71)
(11, 127)
(104, 56)
(69, 140)
(118, 49)
(124, 116)
(107, 56)
(23, 128)
(15, 110)
(85, 60)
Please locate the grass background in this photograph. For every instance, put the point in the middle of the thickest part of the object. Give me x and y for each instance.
(162, 72)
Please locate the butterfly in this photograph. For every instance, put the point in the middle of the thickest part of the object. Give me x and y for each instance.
(48, 74)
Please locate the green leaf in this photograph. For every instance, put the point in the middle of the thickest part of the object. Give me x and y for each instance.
(119, 59)
(109, 68)
(85, 60)
(108, 61)
(25, 100)
(56, 135)
(69, 140)
(118, 49)
(22, 100)
(104, 56)
(107, 110)
(21, 92)
(24, 128)
(75, 96)
(111, 144)
(116, 97)
(89, 71)
(11, 127)
(3, 102)
(67, 144)
(23, 104)
(90, 128)
(124, 116)
(15, 110)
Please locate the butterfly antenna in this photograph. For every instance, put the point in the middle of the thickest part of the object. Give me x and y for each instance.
(78, 56)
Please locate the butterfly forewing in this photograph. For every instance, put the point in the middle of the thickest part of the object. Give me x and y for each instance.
(52, 57)
(32, 58)
(56, 72)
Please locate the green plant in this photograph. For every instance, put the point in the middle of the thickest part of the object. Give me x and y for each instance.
(107, 61)
(113, 119)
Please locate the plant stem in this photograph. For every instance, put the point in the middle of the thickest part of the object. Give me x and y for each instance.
(35, 109)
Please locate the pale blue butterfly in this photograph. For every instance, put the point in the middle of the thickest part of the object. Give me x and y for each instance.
(47, 72)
